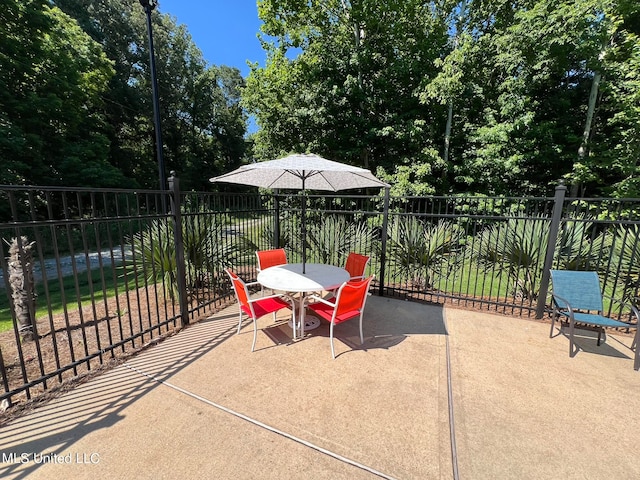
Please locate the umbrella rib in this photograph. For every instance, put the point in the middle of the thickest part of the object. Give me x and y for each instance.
(303, 175)
(278, 178)
(328, 181)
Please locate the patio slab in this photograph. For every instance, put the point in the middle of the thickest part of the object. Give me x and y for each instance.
(201, 405)
(525, 409)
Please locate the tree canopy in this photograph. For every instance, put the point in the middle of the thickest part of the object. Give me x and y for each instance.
(437, 97)
(479, 96)
(76, 104)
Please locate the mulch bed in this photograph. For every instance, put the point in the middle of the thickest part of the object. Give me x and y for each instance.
(82, 333)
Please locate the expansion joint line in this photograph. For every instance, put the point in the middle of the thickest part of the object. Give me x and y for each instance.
(262, 425)
(452, 428)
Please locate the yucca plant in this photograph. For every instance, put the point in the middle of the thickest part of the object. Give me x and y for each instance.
(207, 250)
(518, 247)
(154, 256)
(420, 250)
(576, 250)
(626, 254)
(333, 237)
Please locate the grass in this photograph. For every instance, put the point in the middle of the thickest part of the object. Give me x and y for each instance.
(471, 280)
(66, 291)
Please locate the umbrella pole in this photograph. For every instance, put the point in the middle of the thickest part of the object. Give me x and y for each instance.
(304, 227)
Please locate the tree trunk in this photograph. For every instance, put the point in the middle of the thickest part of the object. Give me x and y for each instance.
(447, 140)
(358, 34)
(584, 145)
(20, 270)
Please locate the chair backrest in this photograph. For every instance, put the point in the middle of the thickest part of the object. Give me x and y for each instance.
(271, 258)
(352, 296)
(240, 288)
(581, 289)
(356, 264)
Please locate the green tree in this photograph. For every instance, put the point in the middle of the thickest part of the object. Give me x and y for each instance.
(52, 76)
(340, 80)
(202, 123)
(540, 88)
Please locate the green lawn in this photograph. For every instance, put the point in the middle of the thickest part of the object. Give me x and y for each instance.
(67, 291)
(470, 280)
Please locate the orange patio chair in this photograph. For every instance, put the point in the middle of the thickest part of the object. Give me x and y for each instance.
(271, 258)
(356, 265)
(348, 303)
(257, 308)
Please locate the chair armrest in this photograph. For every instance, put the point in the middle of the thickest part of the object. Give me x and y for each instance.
(561, 302)
(318, 298)
(277, 295)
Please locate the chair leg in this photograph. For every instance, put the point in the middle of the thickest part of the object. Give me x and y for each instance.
(636, 347)
(303, 319)
(361, 336)
(255, 334)
(333, 353)
(571, 343)
(239, 321)
(553, 321)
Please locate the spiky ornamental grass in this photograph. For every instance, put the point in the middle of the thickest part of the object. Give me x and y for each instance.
(207, 250)
(518, 247)
(419, 250)
(625, 247)
(334, 236)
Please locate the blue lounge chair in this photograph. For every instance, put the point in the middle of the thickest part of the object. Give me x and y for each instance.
(577, 301)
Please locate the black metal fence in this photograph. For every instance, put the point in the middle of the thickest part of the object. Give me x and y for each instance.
(113, 273)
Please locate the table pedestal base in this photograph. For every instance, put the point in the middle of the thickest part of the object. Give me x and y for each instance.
(310, 322)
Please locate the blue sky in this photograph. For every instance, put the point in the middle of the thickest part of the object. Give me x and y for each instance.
(225, 30)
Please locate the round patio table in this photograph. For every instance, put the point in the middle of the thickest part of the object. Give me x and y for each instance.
(289, 278)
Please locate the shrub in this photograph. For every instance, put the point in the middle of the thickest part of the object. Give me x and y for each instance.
(419, 250)
(207, 251)
(334, 236)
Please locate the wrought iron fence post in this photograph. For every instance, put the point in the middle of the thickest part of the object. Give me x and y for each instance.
(174, 186)
(558, 204)
(383, 240)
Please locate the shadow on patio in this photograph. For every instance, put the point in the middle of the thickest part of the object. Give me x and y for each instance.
(201, 405)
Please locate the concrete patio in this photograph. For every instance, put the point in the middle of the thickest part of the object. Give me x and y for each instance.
(201, 405)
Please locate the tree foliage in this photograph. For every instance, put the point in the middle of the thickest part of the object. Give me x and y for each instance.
(76, 105)
(478, 96)
(454, 96)
(52, 77)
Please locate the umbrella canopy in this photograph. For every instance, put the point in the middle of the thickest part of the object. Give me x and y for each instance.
(302, 172)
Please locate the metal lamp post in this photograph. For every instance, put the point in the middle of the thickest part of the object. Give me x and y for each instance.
(148, 6)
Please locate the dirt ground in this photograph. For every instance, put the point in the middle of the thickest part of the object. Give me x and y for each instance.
(83, 335)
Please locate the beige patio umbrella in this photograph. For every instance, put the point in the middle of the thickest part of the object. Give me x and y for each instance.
(304, 171)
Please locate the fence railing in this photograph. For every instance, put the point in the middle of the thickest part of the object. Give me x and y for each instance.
(114, 272)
